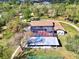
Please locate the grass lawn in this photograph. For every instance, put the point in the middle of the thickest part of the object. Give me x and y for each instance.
(77, 25)
(45, 53)
(71, 32)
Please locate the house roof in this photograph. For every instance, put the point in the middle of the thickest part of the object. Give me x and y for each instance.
(58, 26)
(47, 23)
(41, 23)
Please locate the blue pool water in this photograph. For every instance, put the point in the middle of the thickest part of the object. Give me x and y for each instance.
(39, 39)
(36, 40)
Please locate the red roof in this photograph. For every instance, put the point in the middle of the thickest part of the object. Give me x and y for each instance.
(47, 23)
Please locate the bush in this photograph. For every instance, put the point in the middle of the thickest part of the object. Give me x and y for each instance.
(26, 13)
(7, 34)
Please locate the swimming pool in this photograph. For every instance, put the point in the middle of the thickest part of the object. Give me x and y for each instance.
(45, 41)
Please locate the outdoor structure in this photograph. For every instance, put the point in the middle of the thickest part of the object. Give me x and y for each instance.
(60, 32)
(44, 34)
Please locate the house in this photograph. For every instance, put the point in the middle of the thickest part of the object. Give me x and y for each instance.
(44, 34)
(41, 26)
(45, 25)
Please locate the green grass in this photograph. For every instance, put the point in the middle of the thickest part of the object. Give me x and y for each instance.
(44, 52)
(77, 25)
(8, 34)
(71, 32)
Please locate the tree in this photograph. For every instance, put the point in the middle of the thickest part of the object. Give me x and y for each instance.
(5, 52)
(27, 13)
(67, 1)
(12, 1)
(1, 51)
(61, 9)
